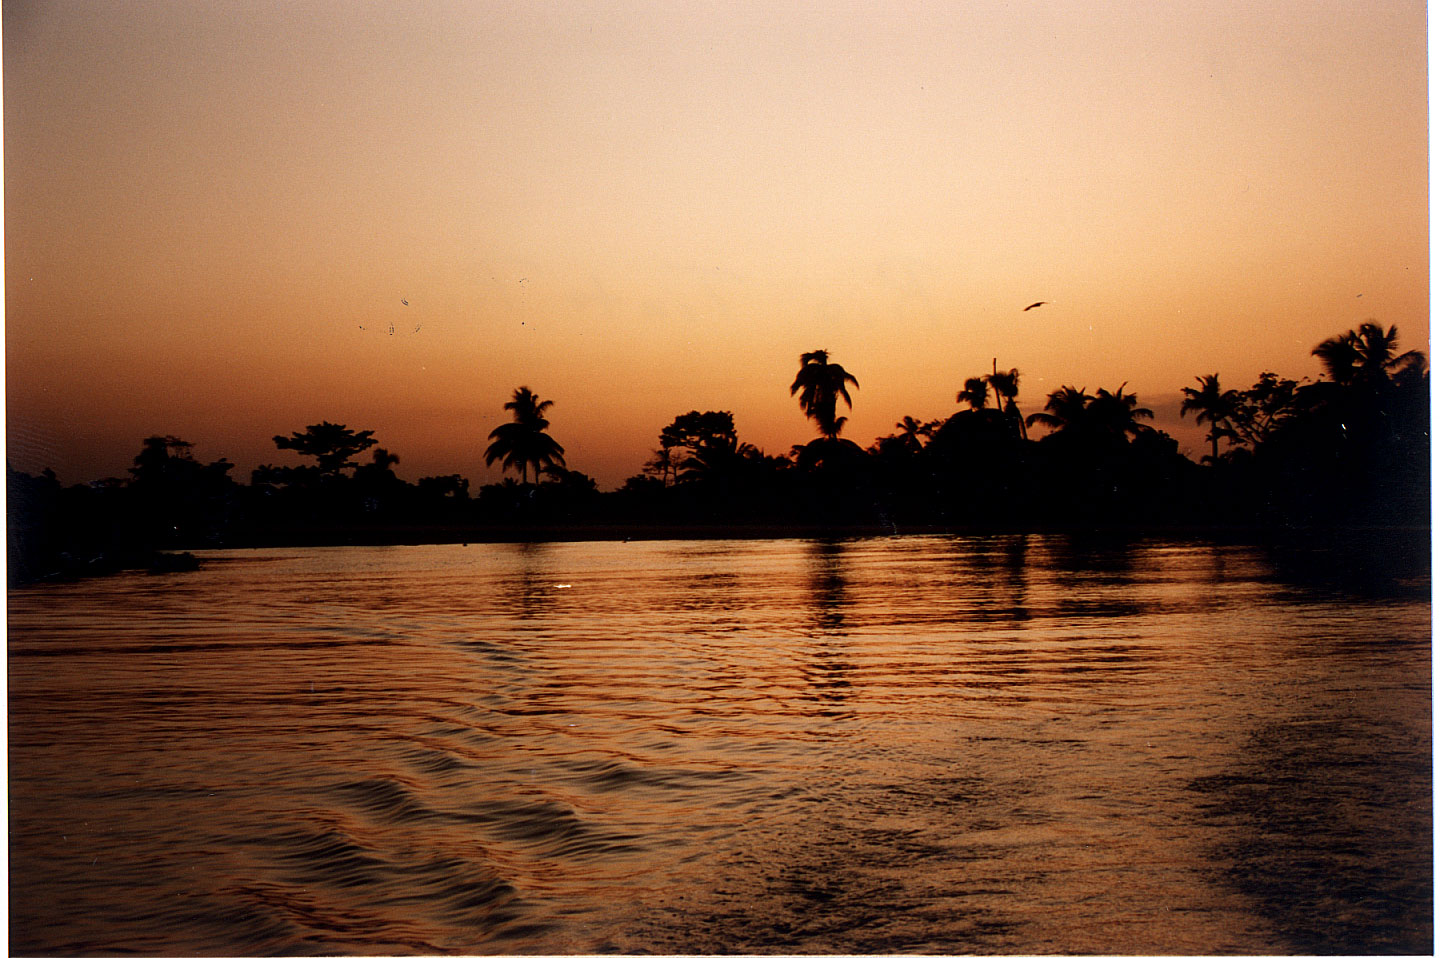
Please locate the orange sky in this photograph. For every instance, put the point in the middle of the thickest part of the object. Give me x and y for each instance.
(638, 209)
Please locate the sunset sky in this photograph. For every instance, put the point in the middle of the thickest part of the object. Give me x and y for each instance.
(213, 211)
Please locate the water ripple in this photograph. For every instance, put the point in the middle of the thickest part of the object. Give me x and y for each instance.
(934, 744)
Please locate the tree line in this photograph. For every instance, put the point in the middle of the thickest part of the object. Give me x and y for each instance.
(1350, 448)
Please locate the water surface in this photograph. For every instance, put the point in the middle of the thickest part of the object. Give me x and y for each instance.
(927, 744)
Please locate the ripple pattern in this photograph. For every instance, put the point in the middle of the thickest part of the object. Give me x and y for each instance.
(929, 744)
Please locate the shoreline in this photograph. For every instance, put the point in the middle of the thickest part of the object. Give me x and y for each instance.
(590, 532)
(1397, 544)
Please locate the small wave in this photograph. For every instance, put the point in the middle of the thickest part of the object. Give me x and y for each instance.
(460, 892)
(310, 923)
(330, 858)
(434, 762)
(614, 773)
(387, 800)
(550, 828)
(494, 651)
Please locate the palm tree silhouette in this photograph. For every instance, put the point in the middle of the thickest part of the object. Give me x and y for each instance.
(820, 383)
(1117, 414)
(1217, 407)
(1337, 355)
(911, 429)
(1104, 417)
(1064, 409)
(1007, 387)
(908, 440)
(523, 442)
(1365, 356)
(976, 393)
(662, 464)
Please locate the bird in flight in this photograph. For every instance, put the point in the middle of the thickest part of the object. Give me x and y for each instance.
(1043, 302)
(404, 302)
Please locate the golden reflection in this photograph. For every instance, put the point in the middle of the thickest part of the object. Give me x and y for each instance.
(1096, 575)
(993, 571)
(828, 583)
(829, 665)
(212, 763)
(530, 592)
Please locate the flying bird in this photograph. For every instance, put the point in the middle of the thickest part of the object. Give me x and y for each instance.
(404, 302)
(1043, 302)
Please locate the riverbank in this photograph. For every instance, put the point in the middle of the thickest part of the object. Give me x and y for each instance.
(1401, 548)
(415, 534)
(69, 568)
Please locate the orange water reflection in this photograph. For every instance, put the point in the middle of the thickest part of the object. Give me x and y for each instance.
(934, 744)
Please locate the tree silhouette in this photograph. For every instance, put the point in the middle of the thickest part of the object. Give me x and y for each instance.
(911, 429)
(159, 457)
(975, 394)
(332, 445)
(1264, 407)
(1117, 414)
(1353, 447)
(1365, 356)
(170, 495)
(1007, 386)
(830, 454)
(1064, 410)
(662, 464)
(820, 384)
(527, 409)
(380, 462)
(523, 443)
(710, 443)
(452, 486)
(1373, 393)
(1218, 407)
(378, 472)
(1104, 417)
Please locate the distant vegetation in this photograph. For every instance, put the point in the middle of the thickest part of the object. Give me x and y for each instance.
(1349, 449)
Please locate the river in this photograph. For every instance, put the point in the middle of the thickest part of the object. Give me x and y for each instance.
(934, 744)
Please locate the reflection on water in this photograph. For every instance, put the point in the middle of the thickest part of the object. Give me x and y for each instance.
(991, 571)
(932, 744)
(828, 666)
(827, 583)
